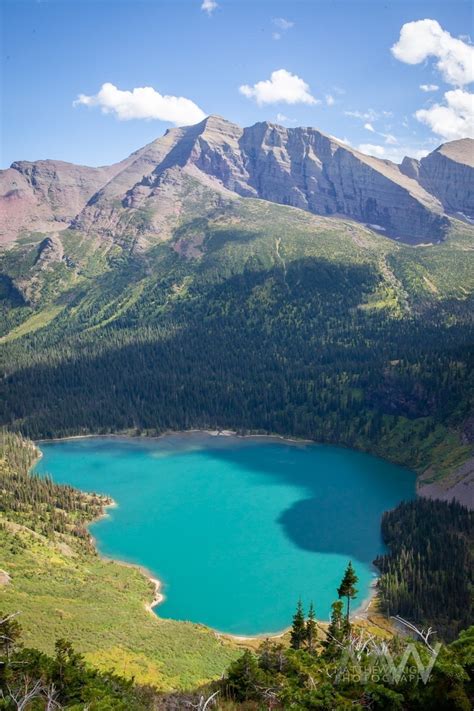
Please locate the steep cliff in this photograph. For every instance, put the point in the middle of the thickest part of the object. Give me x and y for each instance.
(192, 170)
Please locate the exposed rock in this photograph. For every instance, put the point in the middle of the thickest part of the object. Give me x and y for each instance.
(194, 169)
(448, 173)
(50, 250)
(458, 486)
(45, 196)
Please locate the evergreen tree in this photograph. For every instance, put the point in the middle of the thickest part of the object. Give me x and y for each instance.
(311, 629)
(336, 629)
(243, 678)
(298, 629)
(347, 587)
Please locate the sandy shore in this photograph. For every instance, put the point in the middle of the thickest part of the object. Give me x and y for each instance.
(170, 433)
(363, 610)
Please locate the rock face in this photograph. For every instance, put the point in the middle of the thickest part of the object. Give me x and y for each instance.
(447, 173)
(194, 169)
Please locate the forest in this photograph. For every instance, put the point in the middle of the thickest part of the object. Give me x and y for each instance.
(428, 574)
(254, 353)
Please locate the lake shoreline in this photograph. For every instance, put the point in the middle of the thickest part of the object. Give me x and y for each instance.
(158, 596)
(170, 433)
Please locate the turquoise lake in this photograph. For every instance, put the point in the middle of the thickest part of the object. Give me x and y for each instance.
(236, 529)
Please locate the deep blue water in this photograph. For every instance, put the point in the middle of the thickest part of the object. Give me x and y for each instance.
(236, 529)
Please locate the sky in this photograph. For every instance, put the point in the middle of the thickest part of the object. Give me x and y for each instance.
(90, 81)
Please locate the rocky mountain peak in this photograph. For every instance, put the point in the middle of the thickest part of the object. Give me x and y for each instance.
(297, 166)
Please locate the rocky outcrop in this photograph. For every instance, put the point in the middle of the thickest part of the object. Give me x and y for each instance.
(50, 250)
(305, 168)
(193, 169)
(44, 196)
(448, 173)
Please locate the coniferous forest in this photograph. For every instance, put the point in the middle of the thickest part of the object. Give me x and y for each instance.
(428, 575)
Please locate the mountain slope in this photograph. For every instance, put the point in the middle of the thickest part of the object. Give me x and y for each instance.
(447, 173)
(301, 167)
(181, 295)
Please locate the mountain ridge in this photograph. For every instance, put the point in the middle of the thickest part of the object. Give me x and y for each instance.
(300, 167)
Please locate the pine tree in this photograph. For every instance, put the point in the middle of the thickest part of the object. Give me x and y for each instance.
(298, 629)
(347, 587)
(244, 678)
(311, 629)
(335, 632)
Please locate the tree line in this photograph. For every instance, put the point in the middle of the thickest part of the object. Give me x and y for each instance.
(428, 573)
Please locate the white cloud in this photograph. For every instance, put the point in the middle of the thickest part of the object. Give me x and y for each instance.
(372, 150)
(369, 115)
(395, 154)
(209, 6)
(330, 100)
(143, 103)
(454, 119)
(283, 86)
(426, 38)
(369, 127)
(281, 118)
(345, 141)
(282, 24)
(389, 139)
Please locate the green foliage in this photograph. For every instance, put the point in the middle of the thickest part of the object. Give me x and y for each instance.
(32, 680)
(317, 681)
(311, 629)
(298, 628)
(337, 630)
(62, 589)
(428, 575)
(244, 678)
(347, 587)
(282, 322)
(39, 503)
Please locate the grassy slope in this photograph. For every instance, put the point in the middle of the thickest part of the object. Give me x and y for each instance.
(63, 589)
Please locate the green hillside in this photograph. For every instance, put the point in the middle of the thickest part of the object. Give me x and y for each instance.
(52, 576)
(255, 317)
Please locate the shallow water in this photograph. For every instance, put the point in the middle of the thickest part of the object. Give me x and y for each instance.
(236, 529)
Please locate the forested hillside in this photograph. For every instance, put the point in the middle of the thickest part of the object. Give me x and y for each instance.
(428, 575)
(257, 317)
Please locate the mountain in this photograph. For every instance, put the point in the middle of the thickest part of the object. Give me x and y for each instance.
(447, 173)
(146, 194)
(195, 284)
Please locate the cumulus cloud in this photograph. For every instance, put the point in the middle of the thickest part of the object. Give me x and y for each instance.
(426, 38)
(209, 6)
(330, 100)
(369, 127)
(454, 119)
(283, 86)
(143, 103)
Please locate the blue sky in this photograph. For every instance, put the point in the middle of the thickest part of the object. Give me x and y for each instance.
(340, 73)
